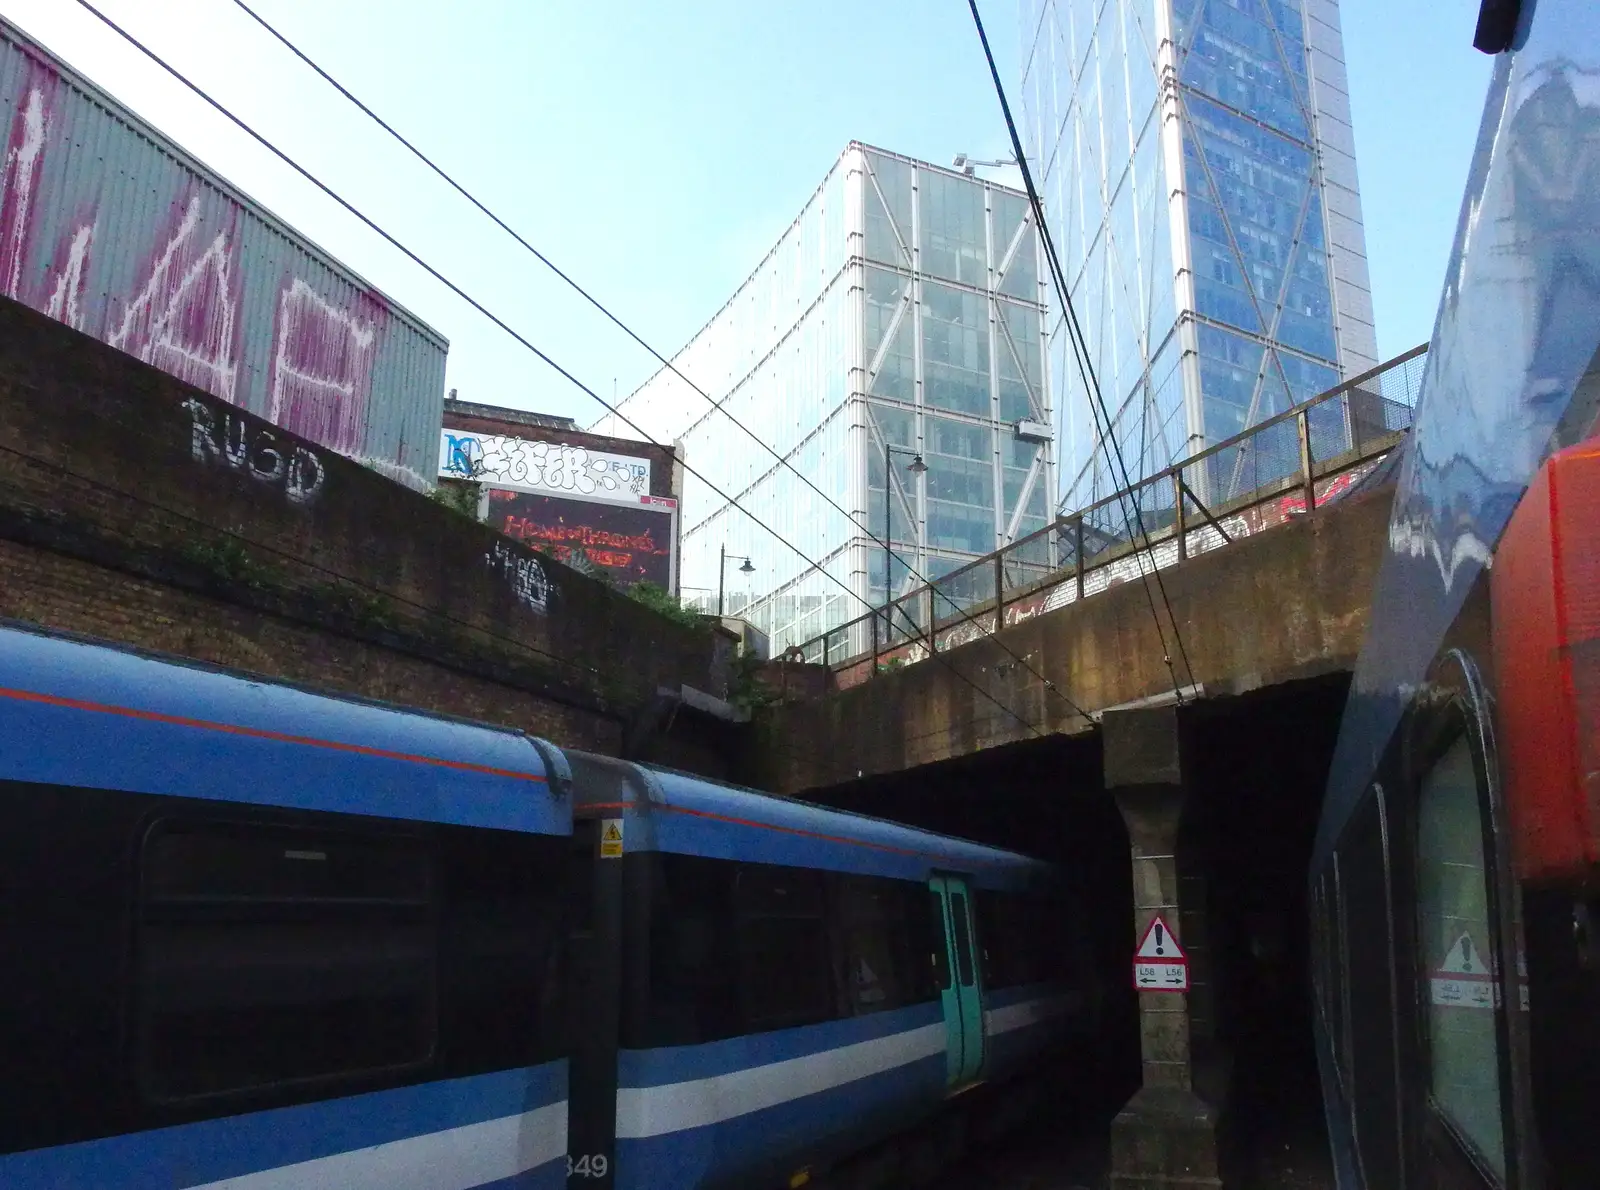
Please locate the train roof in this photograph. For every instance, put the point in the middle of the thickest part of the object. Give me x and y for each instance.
(87, 713)
(666, 810)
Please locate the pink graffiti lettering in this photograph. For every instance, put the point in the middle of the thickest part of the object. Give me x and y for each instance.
(183, 318)
(306, 360)
(24, 155)
(66, 299)
(321, 369)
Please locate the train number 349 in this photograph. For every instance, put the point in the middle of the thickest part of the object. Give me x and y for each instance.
(594, 1166)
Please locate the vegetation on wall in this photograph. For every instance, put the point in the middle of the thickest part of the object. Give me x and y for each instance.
(458, 495)
(658, 599)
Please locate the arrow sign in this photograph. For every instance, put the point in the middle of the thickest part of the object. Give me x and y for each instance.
(1159, 965)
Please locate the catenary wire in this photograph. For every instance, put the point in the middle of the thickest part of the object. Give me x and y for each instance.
(1080, 351)
(716, 405)
(501, 323)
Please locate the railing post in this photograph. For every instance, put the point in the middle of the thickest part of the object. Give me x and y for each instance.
(1303, 424)
(827, 639)
(927, 610)
(999, 589)
(873, 620)
(1077, 532)
(1178, 525)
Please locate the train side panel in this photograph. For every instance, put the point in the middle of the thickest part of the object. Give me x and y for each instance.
(260, 937)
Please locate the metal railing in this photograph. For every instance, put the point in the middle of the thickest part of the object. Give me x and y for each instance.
(1287, 465)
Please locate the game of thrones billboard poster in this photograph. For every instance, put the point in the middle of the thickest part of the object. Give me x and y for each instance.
(629, 543)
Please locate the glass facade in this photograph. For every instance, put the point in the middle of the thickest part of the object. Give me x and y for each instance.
(902, 309)
(1210, 228)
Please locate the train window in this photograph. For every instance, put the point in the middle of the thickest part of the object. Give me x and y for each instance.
(500, 954)
(691, 983)
(1455, 943)
(921, 930)
(270, 956)
(878, 960)
(937, 946)
(963, 932)
(785, 962)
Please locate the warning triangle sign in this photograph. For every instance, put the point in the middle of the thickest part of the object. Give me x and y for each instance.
(1158, 944)
(613, 833)
(1463, 959)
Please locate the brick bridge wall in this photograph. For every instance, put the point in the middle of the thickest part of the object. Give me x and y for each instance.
(137, 508)
(1287, 604)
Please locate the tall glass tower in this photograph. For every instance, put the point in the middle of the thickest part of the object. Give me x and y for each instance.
(1197, 168)
(902, 315)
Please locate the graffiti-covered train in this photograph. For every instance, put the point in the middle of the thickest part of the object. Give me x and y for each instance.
(110, 227)
(255, 936)
(1456, 879)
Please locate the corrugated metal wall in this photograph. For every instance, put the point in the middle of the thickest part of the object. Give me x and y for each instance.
(111, 228)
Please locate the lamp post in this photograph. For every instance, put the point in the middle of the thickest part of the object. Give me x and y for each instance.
(722, 569)
(916, 467)
(965, 164)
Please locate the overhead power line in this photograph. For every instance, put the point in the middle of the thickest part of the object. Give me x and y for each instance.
(491, 316)
(664, 361)
(1097, 407)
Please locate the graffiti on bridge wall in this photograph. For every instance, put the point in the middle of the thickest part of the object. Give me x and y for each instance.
(218, 436)
(524, 575)
(171, 290)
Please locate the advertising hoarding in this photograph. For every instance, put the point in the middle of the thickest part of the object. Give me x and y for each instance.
(629, 543)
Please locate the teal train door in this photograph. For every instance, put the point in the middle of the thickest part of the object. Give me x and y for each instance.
(960, 986)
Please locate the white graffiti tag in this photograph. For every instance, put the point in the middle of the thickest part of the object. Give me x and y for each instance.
(523, 574)
(543, 466)
(221, 436)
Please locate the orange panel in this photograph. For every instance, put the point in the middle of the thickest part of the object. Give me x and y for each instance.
(1545, 593)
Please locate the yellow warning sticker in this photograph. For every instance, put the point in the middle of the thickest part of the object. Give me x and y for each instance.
(611, 838)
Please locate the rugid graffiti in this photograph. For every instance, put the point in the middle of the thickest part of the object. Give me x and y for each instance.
(112, 229)
(219, 436)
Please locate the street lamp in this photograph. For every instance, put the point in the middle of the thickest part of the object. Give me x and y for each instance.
(916, 467)
(722, 567)
(965, 163)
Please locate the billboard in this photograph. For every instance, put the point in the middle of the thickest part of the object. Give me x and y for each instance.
(534, 466)
(628, 543)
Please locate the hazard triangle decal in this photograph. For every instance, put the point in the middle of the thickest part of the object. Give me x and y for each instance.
(1159, 965)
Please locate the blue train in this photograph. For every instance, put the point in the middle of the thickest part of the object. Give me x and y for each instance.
(257, 937)
(1456, 921)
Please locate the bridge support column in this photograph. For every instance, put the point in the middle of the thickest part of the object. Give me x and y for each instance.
(1166, 1136)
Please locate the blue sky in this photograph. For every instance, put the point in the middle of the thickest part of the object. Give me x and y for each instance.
(656, 149)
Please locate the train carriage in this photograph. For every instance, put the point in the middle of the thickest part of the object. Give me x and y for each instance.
(793, 983)
(1454, 878)
(262, 938)
(257, 937)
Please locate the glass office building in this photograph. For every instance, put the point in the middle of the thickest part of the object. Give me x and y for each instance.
(1197, 168)
(901, 310)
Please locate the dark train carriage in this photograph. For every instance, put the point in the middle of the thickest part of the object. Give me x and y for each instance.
(1457, 864)
(793, 983)
(257, 936)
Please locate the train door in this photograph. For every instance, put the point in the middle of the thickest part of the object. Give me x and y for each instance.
(960, 988)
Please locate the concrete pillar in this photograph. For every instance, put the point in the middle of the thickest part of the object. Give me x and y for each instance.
(1166, 1136)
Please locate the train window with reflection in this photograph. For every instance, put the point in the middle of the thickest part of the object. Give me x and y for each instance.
(1455, 948)
(785, 964)
(878, 959)
(272, 956)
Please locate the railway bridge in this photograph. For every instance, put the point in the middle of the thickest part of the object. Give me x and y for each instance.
(1158, 679)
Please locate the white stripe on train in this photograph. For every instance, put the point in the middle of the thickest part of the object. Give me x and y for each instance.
(674, 1107)
(454, 1159)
